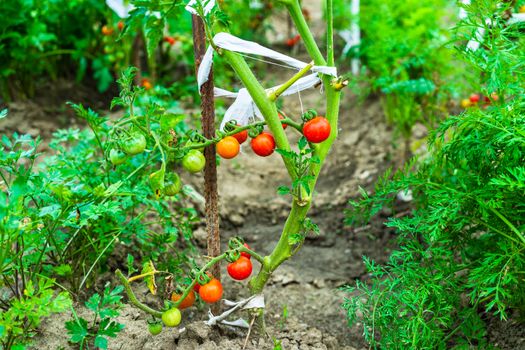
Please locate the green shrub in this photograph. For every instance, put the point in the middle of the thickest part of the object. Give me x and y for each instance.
(462, 247)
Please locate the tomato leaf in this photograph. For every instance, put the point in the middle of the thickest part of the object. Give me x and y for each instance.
(282, 190)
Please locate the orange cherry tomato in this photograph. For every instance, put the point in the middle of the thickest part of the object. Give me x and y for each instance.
(263, 145)
(228, 147)
(107, 30)
(241, 136)
(211, 292)
(146, 84)
(187, 302)
(120, 25)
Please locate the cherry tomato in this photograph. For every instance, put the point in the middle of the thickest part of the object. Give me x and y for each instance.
(172, 317)
(228, 147)
(120, 25)
(211, 292)
(263, 145)
(196, 287)
(240, 269)
(117, 157)
(170, 40)
(317, 129)
(284, 124)
(172, 184)
(241, 136)
(146, 84)
(134, 144)
(521, 9)
(187, 302)
(474, 98)
(246, 255)
(194, 161)
(465, 103)
(107, 30)
(290, 42)
(154, 328)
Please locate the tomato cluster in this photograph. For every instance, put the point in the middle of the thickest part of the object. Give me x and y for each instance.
(316, 130)
(475, 99)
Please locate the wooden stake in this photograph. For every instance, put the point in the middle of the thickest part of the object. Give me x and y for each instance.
(210, 170)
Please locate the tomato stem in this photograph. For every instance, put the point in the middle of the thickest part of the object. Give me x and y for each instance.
(133, 299)
(282, 88)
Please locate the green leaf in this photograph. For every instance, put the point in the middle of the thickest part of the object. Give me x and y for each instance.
(77, 330)
(101, 342)
(302, 143)
(153, 31)
(282, 190)
(93, 302)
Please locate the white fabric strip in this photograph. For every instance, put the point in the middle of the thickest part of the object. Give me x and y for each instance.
(207, 5)
(232, 43)
(243, 110)
(253, 302)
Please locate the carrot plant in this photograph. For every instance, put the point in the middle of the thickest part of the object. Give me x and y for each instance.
(461, 250)
(303, 164)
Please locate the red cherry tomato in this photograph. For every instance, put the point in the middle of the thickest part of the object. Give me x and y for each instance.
(263, 145)
(120, 25)
(197, 287)
(211, 292)
(284, 124)
(170, 40)
(317, 129)
(246, 255)
(474, 98)
(241, 136)
(240, 269)
(228, 147)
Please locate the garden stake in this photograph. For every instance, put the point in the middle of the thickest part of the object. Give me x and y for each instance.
(210, 170)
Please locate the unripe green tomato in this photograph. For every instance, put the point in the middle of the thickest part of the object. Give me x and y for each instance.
(172, 184)
(194, 161)
(120, 55)
(134, 144)
(108, 49)
(172, 317)
(117, 157)
(155, 328)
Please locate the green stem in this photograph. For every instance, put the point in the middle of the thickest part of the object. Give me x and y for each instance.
(330, 32)
(283, 249)
(133, 299)
(282, 88)
(294, 8)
